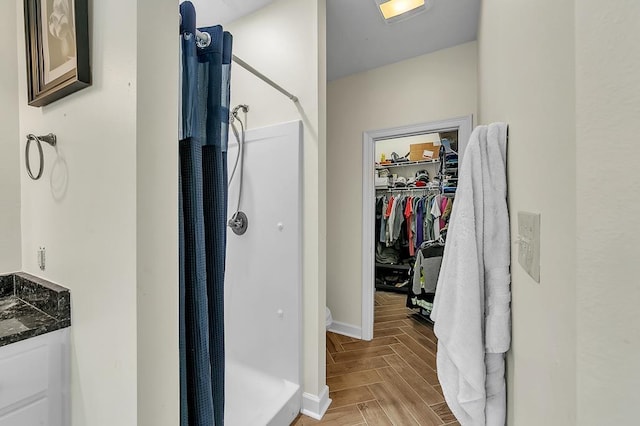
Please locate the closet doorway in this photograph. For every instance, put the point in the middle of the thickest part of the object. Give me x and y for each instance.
(395, 161)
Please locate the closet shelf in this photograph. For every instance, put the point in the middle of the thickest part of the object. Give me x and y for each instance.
(418, 188)
(390, 266)
(406, 163)
(391, 288)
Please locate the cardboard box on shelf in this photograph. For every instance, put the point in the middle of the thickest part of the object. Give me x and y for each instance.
(423, 151)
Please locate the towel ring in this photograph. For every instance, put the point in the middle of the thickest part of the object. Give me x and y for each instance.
(50, 139)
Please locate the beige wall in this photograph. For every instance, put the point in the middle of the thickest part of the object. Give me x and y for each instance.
(285, 42)
(427, 88)
(10, 166)
(608, 204)
(527, 79)
(110, 232)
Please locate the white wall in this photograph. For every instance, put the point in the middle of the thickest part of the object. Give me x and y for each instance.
(89, 227)
(428, 88)
(110, 232)
(157, 213)
(608, 294)
(527, 79)
(285, 42)
(10, 166)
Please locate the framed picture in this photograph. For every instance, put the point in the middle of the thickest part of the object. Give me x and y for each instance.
(57, 42)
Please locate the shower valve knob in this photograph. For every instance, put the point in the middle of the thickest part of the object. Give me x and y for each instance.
(280, 313)
(280, 226)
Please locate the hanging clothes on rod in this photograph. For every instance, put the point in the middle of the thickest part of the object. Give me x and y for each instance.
(410, 218)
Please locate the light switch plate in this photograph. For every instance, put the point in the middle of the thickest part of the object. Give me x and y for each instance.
(529, 243)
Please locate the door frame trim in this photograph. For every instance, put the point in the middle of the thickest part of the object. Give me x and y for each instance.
(464, 126)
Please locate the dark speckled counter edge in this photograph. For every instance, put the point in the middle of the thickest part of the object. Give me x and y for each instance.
(47, 297)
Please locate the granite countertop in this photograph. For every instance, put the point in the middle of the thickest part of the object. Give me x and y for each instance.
(31, 306)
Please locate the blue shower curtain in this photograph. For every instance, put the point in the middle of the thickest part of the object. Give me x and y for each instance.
(205, 84)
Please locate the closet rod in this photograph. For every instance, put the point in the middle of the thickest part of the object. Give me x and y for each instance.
(204, 40)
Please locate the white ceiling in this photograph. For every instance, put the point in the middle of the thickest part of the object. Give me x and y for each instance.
(213, 12)
(358, 39)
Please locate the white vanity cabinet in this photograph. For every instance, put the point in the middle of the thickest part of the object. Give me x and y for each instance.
(34, 381)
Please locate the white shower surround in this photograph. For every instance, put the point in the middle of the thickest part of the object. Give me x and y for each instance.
(263, 283)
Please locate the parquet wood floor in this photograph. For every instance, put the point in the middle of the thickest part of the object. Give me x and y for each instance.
(390, 380)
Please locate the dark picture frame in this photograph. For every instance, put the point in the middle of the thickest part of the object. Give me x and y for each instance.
(57, 47)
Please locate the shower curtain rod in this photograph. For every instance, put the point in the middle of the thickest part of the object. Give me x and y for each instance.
(264, 78)
(204, 40)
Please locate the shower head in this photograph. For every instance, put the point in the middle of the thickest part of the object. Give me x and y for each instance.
(234, 111)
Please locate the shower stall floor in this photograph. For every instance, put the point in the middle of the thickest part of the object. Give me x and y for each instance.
(255, 398)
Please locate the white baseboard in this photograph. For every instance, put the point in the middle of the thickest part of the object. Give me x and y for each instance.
(346, 329)
(315, 406)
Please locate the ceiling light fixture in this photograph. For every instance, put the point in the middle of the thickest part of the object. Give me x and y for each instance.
(399, 10)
